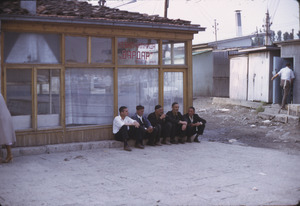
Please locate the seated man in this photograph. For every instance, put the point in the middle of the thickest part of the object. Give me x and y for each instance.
(157, 120)
(176, 125)
(195, 125)
(121, 125)
(145, 130)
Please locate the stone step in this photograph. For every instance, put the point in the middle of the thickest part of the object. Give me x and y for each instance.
(56, 148)
(294, 109)
(283, 118)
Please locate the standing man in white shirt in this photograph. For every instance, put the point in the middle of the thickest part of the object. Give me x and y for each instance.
(121, 125)
(287, 77)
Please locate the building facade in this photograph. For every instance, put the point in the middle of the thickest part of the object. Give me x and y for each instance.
(66, 69)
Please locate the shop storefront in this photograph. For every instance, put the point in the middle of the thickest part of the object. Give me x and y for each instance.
(64, 78)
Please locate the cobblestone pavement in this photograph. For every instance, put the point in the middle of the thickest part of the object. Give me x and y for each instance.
(208, 173)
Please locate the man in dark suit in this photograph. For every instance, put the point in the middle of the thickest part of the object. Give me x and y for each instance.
(158, 120)
(195, 125)
(176, 125)
(145, 130)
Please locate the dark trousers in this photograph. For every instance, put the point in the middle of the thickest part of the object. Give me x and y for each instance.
(154, 137)
(173, 130)
(190, 131)
(123, 134)
(286, 90)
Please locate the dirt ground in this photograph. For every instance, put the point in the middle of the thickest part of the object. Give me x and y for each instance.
(240, 125)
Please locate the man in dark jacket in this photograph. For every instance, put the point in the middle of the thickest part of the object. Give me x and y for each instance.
(176, 125)
(195, 125)
(158, 120)
(145, 130)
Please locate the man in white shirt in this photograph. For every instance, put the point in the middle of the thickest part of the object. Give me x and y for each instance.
(121, 125)
(287, 77)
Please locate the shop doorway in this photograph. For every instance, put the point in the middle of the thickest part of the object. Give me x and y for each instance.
(279, 63)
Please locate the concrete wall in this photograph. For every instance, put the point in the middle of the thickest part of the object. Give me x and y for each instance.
(203, 74)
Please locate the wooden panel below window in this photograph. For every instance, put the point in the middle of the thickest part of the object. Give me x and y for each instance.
(27, 139)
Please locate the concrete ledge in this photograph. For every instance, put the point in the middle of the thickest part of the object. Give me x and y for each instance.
(56, 148)
(244, 103)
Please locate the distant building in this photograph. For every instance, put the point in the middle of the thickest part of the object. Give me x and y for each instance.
(67, 66)
(211, 64)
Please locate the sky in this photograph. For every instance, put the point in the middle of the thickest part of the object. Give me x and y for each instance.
(284, 14)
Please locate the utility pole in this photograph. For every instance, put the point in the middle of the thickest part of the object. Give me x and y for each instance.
(267, 29)
(215, 32)
(166, 8)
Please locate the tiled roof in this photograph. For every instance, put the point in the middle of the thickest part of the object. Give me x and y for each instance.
(83, 10)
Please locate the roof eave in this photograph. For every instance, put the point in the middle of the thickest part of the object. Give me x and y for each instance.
(101, 22)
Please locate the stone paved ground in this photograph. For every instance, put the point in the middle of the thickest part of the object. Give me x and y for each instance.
(209, 173)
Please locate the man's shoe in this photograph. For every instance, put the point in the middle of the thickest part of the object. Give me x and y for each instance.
(181, 141)
(139, 146)
(127, 148)
(174, 141)
(150, 144)
(158, 144)
(196, 139)
(189, 140)
(166, 142)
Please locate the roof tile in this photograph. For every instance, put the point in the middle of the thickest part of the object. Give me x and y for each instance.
(84, 10)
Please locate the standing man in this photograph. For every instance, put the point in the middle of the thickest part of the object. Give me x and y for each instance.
(121, 125)
(7, 132)
(157, 120)
(195, 125)
(287, 78)
(176, 125)
(145, 130)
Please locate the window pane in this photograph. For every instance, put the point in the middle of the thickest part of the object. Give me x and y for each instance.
(133, 51)
(101, 50)
(19, 98)
(89, 96)
(138, 86)
(48, 97)
(31, 48)
(173, 90)
(173, 53)
(76, 49)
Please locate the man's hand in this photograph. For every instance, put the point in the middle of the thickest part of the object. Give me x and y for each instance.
(150, 129)
(198, 124)
(136, 124)
(183, 122)
(163, 116)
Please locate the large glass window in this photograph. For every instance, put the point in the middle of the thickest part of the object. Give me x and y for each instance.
(173, 90)
(76, 49)
(48, 97)
(19, 97)
(138, 86)
(89, 96)
(101, 50)
(31, 48)
(173, 52)
(132, 51)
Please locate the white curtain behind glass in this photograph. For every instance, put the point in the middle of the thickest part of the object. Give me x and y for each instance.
(173, 90)
(31, 48)
(89, 96)
(138, 86)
